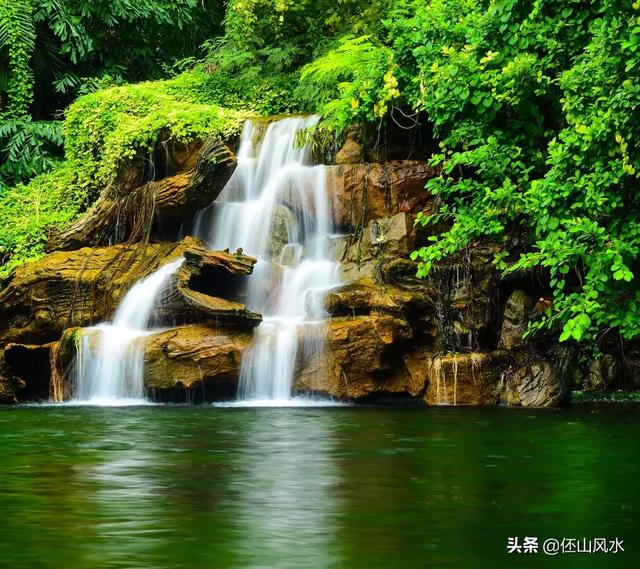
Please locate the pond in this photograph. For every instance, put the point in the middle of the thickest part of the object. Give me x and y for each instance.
(344, 487)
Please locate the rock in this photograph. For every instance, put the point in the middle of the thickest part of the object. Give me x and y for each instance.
(463, 379)
(193, 357)
(632, 372)
(604, 373)
(9, 384)
(465, 287)
(363, 357)
(78, 288)
(125, 211)
(365, 297)
(81, 288)
(204, 289)
(517, 312)
(281, 225)
(537, 384)
(383, 240)
(350, 153)
(360, 193)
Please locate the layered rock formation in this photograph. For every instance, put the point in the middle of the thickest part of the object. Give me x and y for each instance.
(44, 304)
(455, 338)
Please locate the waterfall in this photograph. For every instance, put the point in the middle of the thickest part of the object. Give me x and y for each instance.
(110, 357)
(275, 207)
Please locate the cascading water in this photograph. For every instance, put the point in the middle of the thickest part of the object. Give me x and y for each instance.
(275, 207)
(109, 363)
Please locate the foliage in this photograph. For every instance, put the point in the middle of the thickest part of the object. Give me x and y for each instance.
(52, 50)
(266, 44)
(27, 148)
(27, 210)
(103, 131)
(363, 75)
(536, 105)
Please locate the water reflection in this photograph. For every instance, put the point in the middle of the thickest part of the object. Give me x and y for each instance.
(206, 488)
(287, 491)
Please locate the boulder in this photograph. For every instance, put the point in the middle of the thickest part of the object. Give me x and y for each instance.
(605, 372)
(279, 235)
(206, 289)
(382, 240)
(191, 357)
(363, 356)
(365, 297)
(517, 312)
(537, 384)
(77, 288)
(81, 288)
(350, 153)
(360, 193)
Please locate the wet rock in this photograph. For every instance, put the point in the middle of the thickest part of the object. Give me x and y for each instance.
(365, 297)
(77, 288)
(382, 241)
(363, 357)
(536, 384)
(463, 379)
(193, 357)
(279, 236)
(204, 290)
(360, 193)
(350, 153)
(465, 288)
(81, 288)
(517, 312)
(604, 373)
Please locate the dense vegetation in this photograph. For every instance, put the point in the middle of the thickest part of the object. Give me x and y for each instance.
(534, 105)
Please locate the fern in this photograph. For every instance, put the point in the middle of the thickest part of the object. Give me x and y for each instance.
(353, 80)
(28, 148)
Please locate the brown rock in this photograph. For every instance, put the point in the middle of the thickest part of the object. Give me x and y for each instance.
(189, 356)
(537, 384)
(463, 379)
(350, 153)
(604, 373)
(365, 297)
(204, 289)
(78, 288)
(81, 288)
(363, 192)
(382, 241)
(125, 211)
(517, 312)
(363, 357)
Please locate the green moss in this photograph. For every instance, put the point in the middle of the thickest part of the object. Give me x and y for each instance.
(102, 131)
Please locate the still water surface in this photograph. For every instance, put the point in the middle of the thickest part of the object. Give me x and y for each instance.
(184, 487)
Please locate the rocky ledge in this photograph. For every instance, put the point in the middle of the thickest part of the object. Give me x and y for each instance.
(456, 338)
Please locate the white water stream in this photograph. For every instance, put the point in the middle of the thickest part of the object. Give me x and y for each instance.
(275, 207)
(110, 359)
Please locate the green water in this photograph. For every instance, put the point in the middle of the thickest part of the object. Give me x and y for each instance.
(180, 487)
